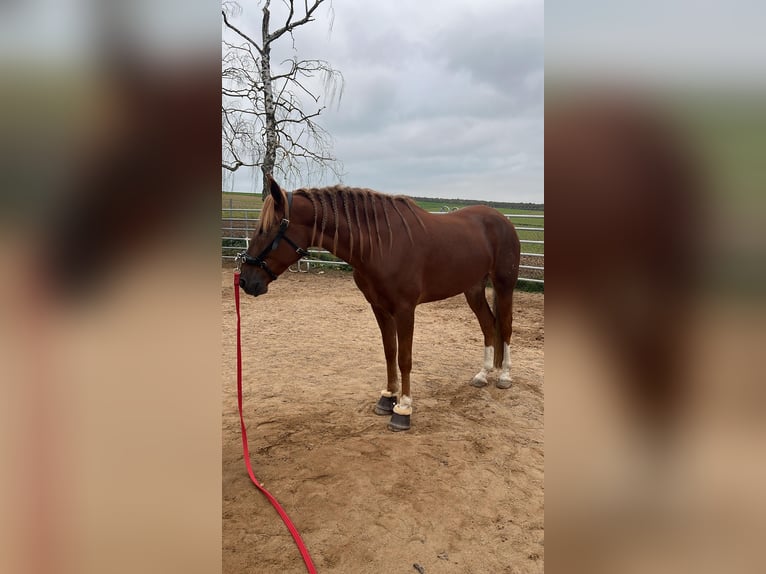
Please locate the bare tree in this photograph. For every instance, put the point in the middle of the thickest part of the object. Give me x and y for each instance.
(269, 115)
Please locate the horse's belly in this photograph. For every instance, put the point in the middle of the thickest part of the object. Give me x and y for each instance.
(449, 286)
(450, 272)
(429, 296)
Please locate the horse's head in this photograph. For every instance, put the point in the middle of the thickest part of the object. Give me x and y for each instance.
(274, 245)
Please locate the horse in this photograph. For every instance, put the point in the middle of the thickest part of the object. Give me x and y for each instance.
(402, 256)
(618, 166)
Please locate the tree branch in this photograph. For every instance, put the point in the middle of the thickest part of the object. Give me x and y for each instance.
(232, 167)
(290, 26)
(240, 32)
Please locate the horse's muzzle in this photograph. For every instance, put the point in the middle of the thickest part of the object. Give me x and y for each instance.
(253, 287)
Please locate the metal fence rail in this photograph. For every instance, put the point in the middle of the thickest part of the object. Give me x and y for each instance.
(239, 229)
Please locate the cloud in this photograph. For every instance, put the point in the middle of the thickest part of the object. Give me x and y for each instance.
(500, 46)
(441, 98)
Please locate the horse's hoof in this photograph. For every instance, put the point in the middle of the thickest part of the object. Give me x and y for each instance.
(504, 383)
(399, 422)
(478, 382)
(385, 405)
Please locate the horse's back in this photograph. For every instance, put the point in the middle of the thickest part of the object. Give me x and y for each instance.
(484, 225)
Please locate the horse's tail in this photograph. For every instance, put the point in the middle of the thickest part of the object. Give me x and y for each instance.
(498, 338)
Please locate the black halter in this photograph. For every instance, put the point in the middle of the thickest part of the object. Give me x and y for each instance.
(260, 261)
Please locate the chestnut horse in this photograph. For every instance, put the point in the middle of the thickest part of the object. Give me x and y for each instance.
(402, 256)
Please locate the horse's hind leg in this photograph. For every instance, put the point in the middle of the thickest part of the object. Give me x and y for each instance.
(503, 326)
(477, 301)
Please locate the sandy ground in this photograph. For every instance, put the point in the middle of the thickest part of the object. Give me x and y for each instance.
(462, 491)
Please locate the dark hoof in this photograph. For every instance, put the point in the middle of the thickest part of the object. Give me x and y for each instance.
(385, 405)
(399, 422)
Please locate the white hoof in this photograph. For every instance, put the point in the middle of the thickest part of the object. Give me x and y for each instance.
(479, 380)
(504, 382)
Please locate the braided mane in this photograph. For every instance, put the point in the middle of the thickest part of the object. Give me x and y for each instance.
(363, 211)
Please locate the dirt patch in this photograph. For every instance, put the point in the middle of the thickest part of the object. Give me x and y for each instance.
(462, 491)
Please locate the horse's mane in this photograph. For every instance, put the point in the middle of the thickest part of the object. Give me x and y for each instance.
(363, 210)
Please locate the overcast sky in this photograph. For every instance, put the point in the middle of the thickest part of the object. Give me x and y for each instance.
(443, 98)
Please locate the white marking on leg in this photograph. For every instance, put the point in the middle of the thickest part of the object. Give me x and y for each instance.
(489, 358)
(386, 393)
(480, 379)
(404, 406)
(505, 376)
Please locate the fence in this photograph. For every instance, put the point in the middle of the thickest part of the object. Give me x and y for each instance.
(236, 231)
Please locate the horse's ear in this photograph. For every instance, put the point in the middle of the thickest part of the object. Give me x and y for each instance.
(276, 192)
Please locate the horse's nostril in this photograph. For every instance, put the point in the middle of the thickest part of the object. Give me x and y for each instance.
(242, 282)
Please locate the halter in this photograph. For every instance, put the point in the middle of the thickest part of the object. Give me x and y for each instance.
(260, 261)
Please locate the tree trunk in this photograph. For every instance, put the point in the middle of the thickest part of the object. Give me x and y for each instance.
(272, 140)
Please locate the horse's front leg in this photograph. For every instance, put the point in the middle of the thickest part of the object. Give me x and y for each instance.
(387, 400)
(405, 322)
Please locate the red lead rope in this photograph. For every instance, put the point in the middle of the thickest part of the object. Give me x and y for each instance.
(267, 494)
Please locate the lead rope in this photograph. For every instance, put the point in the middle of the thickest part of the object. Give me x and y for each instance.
(285, 518)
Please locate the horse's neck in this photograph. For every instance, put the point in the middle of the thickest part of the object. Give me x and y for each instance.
(352, 245)
(341, 248)
(365, 235)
